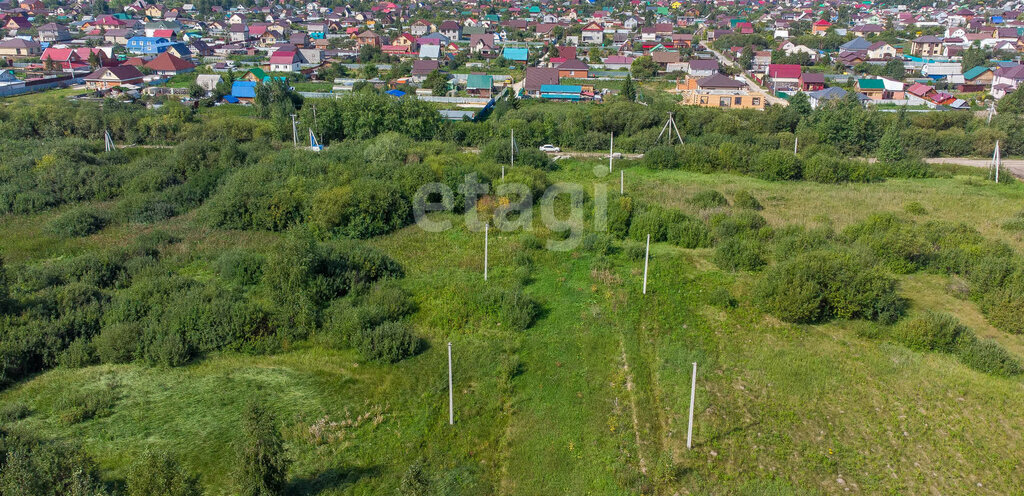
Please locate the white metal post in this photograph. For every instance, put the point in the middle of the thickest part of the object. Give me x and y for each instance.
(693, 392)
(647, 257)
(796, 143)
(611, 148)
(995, 159)
(451, 397)
(512, 149)
(485, 250)
(622, 180)
(503, 172)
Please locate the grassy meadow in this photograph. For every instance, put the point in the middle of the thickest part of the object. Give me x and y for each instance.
(593, 397)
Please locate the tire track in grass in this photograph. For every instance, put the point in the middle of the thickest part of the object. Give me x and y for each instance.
(632, 407)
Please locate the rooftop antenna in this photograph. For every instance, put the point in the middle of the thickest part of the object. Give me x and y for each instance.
(108, 143)
(670, 126)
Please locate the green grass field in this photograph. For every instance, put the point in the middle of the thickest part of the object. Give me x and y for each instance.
(593, 397)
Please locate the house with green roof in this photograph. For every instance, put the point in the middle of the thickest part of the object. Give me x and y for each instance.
(979, 75)
(480, 85)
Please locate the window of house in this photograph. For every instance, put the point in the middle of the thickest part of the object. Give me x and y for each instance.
(755, 101)
(737, 101)
(724, 101)
(703, 100)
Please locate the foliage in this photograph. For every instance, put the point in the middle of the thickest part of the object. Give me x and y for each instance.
(78, 222)
(644, 67)
(931, 331)
(708, 199)
(739, 253)
(743, 199)
(388, 342)
(822, 285)
(262, 463)
(160, 474)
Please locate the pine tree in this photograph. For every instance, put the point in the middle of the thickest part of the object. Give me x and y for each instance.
(262, 462)
(628, 90)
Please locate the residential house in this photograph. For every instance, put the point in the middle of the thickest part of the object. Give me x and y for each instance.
(831, 94)
(480, 85)
(421, 28)
(118, 36)
(618, 62)
(701, 68)
(979, 75)
(573, 68)
(166, 64)
(17, 47)
(243, 91)
(1006, 80)
(762, 59)
(482, 44)
(424, 67)
(53, 33)
(926, 46)
(812, 81)
(784, 76)
(147, 46)
(368, 38)
(105, 78)
(593, 34)
(719, 90)
(15, 24)
(537, 77)
(570, 92)
(821, 27)
(450, 29)
(238, 33)
(881, 50)
(284, 60)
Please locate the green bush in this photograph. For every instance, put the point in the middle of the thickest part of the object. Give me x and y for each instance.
(739, 254)
(987, 356)
(777, 165)
(14, 411)
(346, 317)
(118, 343)
(661, 157)
(708, 199)
(724, 225)
(790, 241)
(930, 331)
(821, 285)
(743, 199)
(78, 354)
(649, 221)
(620, 216)
(79, 222)
(387, 343)
(720, 297)
(896, 242)
(161, 474)
(79, 406)
(915, 208)
(241, 266)
(688, 232)
(1004, 307)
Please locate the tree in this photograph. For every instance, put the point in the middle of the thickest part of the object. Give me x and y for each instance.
(595, 56)
(370, 71)
(437, 81)
(1012, 103)
(162, 475)
(628, 89)
(4, 287)
(262, 462)
(800, 103)
(972, 57)
(50, 65)
(890, 148)
(196, 91)
(94, 60)
(747, 58)
(644, 67)
(895, 69)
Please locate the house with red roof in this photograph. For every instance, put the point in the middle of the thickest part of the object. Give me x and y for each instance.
(821, 27)
(166, 64)
(284, 60)
(784, 76)
(593, 34)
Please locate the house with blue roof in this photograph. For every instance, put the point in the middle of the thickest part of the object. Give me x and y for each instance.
(244, 91)
(571, 92)
(148, 45)
(516, 54)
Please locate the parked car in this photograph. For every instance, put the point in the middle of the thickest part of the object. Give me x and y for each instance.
(550, 148)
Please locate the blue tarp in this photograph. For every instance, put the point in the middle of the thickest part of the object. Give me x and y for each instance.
(396, 93)
(230, 99)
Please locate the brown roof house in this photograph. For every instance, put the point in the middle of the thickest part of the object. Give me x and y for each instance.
(105, 78)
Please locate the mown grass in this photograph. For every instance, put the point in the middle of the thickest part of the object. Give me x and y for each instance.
(598, 402)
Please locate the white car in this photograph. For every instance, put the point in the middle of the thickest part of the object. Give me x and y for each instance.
(550, 149)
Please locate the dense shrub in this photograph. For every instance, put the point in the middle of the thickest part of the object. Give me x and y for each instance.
(386, 343)
(78, 222)
(743, 199)
(725, 225)
(739, 254)
(987, 356)
(118, 343)
(777, 165)
(708, 199)
(241, 266)
(620, 216)
(688, 232)
(661, 157)
(896, 242)
(161, 474)
(34, 467)
(345, 317)
(793, 240)
(930, 331)
(822, 285)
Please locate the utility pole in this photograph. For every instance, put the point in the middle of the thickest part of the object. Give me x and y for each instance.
(486, 226)
(295, 133)
(512, 149)
(647, 257)
(611, 148)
